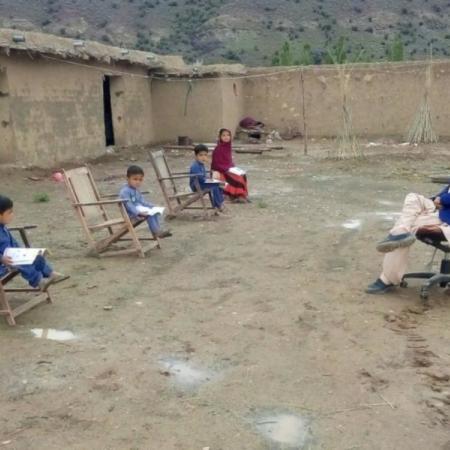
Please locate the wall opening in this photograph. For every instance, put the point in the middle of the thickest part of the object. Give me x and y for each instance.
(109, 126)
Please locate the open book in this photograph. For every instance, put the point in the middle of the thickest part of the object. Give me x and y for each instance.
(145, 211)
(23, 256)
(212, 181)
(237, 171)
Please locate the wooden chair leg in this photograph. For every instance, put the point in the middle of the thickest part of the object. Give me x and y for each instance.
(6, 308)
(172, 211)
(205, 209)
(132, 231)
(10, 320)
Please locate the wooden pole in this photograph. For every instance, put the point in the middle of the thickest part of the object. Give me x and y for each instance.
(305, 126)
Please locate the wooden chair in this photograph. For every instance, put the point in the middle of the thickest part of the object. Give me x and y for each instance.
(91, 209)
(177, 199)
(6, 309)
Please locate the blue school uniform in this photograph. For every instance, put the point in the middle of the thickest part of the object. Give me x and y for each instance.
(33, 273)
(444, 212)
(134, 198)
(199, 170)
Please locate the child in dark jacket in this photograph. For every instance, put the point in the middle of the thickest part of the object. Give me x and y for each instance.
(39, 274)
(198, 172)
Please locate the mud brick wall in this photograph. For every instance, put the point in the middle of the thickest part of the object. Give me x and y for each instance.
(383, 99)
(51, 112)
(131, 103)
(196, 108)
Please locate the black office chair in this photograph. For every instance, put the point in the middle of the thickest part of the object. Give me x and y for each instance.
(441, 278)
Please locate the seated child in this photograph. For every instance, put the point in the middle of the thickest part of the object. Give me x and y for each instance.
(134, 199)
(223, 167)
(198, 172)
(39, 274)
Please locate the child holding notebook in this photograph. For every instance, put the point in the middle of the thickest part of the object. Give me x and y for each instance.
(38, 273)
(198, 174)
(137, 206)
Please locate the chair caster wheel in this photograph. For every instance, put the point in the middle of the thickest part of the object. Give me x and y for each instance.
(403, 284)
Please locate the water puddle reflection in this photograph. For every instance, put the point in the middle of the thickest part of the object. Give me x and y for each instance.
(52, 334)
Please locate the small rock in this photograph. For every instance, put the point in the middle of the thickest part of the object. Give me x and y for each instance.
(107, 307)
(438, 375)
(390, 317)
(416, 310)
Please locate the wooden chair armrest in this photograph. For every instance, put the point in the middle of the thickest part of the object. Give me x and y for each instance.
(115, 195)
(106, 196)
(24, 227)
(174, 177)
(8, 276)
(101, 202)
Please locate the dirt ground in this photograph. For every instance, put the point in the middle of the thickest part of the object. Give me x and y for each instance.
(250, 331)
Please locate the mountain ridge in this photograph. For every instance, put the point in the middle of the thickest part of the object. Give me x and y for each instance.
(251, 32)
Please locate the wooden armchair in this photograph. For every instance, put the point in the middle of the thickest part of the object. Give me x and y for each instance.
(93, 215)
(177, 199)
(22, 306)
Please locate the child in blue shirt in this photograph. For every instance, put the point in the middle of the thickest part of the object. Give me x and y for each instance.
(39, 274)
(134, 198)
(198, 172)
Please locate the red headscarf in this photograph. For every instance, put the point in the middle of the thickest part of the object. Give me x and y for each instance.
(222, 157)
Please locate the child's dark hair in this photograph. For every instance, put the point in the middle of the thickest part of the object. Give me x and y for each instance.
(200, 148)
(134, 170)
(5, 204)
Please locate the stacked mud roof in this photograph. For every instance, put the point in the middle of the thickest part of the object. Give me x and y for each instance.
(88, 51)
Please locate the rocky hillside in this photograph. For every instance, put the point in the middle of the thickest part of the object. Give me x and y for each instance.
(243, 30)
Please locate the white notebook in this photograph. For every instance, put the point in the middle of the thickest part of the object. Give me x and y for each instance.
(145, 211)
(212, 181)
(237, 171)
(23, 256)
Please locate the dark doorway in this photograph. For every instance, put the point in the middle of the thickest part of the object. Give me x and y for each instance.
(109, 127)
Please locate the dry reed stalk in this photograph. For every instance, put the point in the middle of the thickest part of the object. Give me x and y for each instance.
(421, 130)
(348, 143)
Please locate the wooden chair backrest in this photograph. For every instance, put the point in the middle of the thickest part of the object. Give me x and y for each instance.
(162, 170)
(82, 189)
